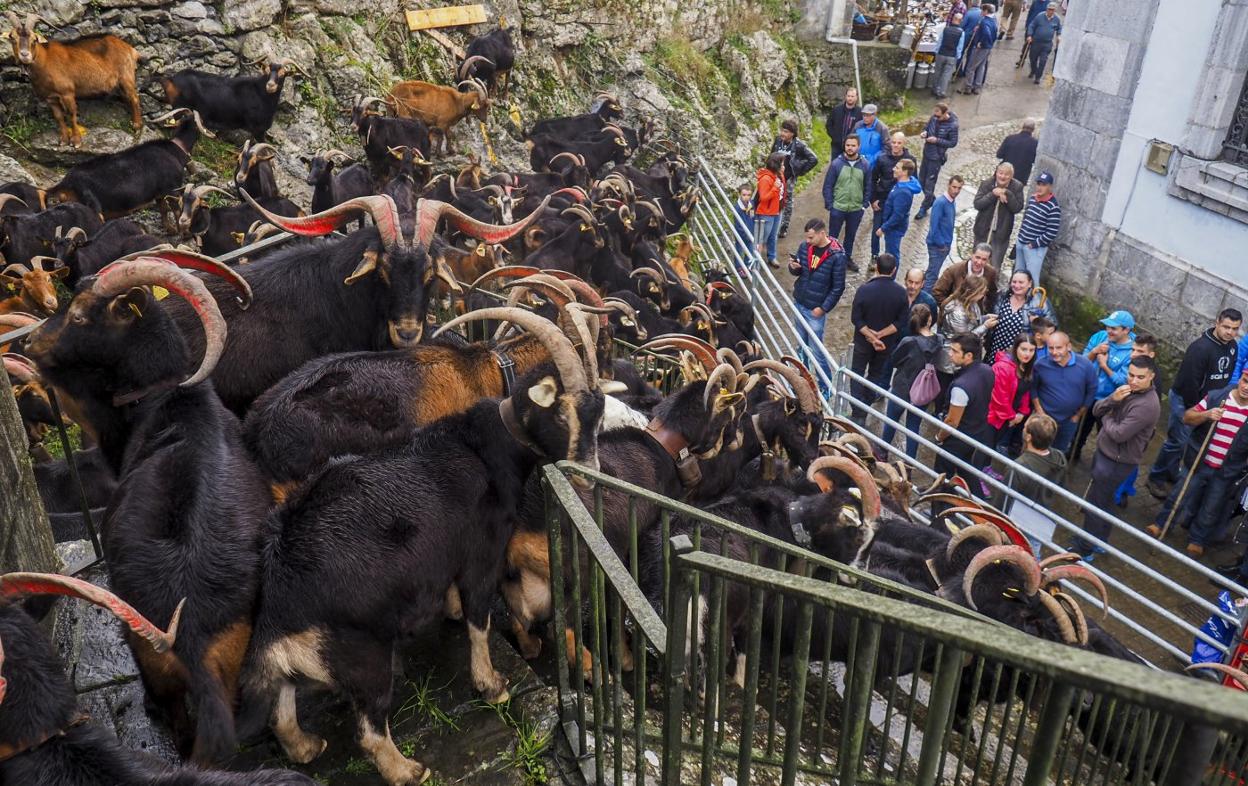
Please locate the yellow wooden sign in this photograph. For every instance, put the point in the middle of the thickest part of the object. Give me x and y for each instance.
(451, 16)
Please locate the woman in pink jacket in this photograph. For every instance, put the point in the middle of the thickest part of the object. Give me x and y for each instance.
(1011, 394)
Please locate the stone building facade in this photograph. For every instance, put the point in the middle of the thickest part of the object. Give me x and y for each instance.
(1147, 135)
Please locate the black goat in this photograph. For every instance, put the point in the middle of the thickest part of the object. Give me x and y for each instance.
(231, 102)
(595, 152)
(85, 253)
(336, 622)
(58, 490)
(34, 234)
(367, 291)
(184, 521)
(115, 184)
(254, 171)
(381, 135)
(607, 111)
(32, 197)
(488, 57)
(45, 738)
(330, 188)
(572, 248)
(219, 230)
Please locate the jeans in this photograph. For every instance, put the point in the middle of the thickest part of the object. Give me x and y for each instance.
(786, 214)
(850, 220)
(936, 256)
(1107, 475)
(1213, 512)
(977, 68)
(811, 344)
(966, 451)
(877, 221)
(1065, 434)
(945, 66)
(929, 173)
(1030, 259)
(1006, 437)
(892, 245)
(1192, 500)
(1039, 58)
(765, 230)
(1167, 465)
(912, 422)
(871, 364)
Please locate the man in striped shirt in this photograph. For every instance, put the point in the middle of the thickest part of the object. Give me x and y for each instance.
(1041, 223)
(1203, 507)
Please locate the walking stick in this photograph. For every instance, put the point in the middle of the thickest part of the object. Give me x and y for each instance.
(1183, 491)
(1022, 56)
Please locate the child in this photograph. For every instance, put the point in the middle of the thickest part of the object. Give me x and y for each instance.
(1042, 328)
(1039, 431)
(743, 228)
(897, 207)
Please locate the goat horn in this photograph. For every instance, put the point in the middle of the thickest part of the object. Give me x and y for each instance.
(20, 368)
(170, 114)
(334, 152)
(552, 161)
(381, 207)
(1075, 612)
(20, 269)
(15, 320)
(430, 211)
(1061, 616)
(805, 396)
(983, 532)
(77, 234)
(551, 287)
(799, 367)
(40, 262)
(506, 271)
(464, 66)
(1011, 554)
(199, 124)
(730, 357)
(7, 198)
(14, 19)
(724, 376)
(649, 272)
(144, 271)
(1239, 676)
(193, 261)
(27, 584)
(623, 306)
(562, 353)
(704, 352)
(264, 151)
(587, 337)
(1064, 557)
(200, 191)
(867, 489)
(1077, 573)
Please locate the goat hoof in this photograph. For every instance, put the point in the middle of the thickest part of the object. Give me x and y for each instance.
(306, 749)
(419, 774)
(497, 692)
(530, 648)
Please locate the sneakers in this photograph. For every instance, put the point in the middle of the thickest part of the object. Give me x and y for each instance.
(1153, 530)
(922, 214)
(1195, 550)
(1156, 489)
(852, 266)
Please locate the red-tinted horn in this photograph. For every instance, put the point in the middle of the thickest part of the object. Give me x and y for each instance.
(16, 585)
(193, 261)
(430, 211)
(384, 212)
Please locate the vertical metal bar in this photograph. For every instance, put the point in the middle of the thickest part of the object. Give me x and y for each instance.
(84, 505)
(904, 752)
(1012, 695)
(939, 705)
(633, 557)
(554, 537)
(578, 633)
(1048, 734)
(617, 683)
(777, 626)
(598, 670)
(710, 690)
(749, 697)
(797, 693)
(825, 680)
(1060, 766)
(1017, 745)
(858, 704)
(1088, 729)
(976, 678)
(640, 686)
(674, 669)
(665, 532)
(985, 733)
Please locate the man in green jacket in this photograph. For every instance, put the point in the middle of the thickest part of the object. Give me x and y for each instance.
(845, 196)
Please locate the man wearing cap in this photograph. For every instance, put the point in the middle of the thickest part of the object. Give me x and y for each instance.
(871, 133)
(1111, 350)
(1041, 223)
(1044, 31)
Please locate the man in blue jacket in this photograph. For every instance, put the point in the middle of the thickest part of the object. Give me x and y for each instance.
(1044, 32)
(871, 133)
(1111, 350)
(846, 194)
(819, 264)
(981, 42)
(940, 233)
(1063, 387)
(939, 136)
(896, 216)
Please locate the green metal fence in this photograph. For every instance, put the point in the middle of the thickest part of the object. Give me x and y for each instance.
(868, 683)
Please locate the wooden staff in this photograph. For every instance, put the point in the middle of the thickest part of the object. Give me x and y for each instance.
(1213, 424)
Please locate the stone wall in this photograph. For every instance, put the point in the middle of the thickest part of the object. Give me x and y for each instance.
(717, 75)
(1094, 266)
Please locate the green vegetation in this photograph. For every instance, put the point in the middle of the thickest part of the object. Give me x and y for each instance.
(52, 442)
(531, 746)
(22, 128)
(216, 155)
(359, 767)
(423, 704)
(821, 144)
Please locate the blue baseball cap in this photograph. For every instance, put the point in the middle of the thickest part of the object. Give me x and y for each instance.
(1045, 177)
(1119, 319)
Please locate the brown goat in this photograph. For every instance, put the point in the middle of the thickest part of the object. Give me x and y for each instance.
(61, 73)
(439, 107)
(34, 288)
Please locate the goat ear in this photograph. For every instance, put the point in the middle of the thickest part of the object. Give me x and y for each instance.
(368, 263)
(130, 305)
(59, 272)
(544, 392)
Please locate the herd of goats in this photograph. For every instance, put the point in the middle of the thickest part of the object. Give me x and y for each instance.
(294, 475)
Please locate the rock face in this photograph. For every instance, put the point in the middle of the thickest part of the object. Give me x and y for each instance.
(714, 75)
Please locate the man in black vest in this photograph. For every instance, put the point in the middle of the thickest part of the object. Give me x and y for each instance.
(947, 55)
(969, 394)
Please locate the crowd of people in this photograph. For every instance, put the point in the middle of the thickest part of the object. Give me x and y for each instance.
(982, 350)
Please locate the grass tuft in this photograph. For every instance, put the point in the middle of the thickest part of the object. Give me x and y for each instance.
(423, 704)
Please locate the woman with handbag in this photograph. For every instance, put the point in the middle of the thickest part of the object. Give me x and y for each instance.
(914, 375)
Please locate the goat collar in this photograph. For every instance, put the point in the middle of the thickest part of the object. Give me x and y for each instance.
(8, 751)
(677, 446)
(507, 368)
(137, 395)
(508, 414)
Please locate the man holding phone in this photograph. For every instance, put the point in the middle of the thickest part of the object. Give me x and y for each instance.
(819, 264)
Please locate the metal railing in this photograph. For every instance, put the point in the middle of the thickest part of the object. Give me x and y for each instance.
(856, 684)
(1152, 594)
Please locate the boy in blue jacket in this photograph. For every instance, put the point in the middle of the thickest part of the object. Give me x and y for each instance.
(1111, 351)
(819, 264)
(897, 208)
